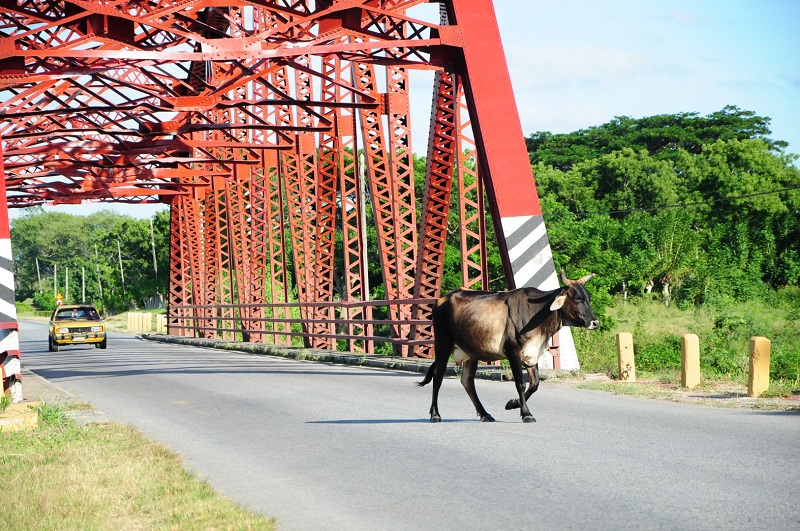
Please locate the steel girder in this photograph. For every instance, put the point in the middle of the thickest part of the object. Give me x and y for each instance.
(248, 117)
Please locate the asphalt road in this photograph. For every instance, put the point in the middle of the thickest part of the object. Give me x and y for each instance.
(322, 446)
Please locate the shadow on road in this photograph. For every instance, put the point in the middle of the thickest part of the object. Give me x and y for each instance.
(386, 421)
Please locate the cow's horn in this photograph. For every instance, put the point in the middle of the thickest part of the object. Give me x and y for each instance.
(584, 279)
(564, 279)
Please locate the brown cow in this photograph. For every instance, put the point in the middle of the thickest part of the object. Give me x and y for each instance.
(482, 326)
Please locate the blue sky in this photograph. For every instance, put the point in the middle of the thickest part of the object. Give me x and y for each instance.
(578, 63)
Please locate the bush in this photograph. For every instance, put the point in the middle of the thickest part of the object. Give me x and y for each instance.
(665, 354)
(44, 301)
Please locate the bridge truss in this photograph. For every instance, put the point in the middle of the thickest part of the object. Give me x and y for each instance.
(279, 132)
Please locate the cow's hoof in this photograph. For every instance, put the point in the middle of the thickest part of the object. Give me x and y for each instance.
(487, 418)
(529, 418)
(512, 404)
(436, 420)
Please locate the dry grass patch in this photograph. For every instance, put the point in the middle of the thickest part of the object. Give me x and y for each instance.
(106, 477)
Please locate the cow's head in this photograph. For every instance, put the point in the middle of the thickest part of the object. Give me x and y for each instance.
(574, 303)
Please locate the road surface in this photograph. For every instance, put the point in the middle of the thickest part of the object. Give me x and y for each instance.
(321, 446)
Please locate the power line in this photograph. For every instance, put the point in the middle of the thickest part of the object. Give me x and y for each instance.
(668, 207)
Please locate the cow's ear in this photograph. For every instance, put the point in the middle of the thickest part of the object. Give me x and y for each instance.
(558, 302)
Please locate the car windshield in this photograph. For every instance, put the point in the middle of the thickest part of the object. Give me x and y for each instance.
(78, 313)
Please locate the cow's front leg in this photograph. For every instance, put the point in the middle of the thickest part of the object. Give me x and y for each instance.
(533, 386)
(516, 371)
(468, 381)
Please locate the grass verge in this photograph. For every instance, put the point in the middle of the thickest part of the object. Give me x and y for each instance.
(109, 476)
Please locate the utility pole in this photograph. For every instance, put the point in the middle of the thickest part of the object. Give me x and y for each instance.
(121, 272)
(38, 274)
(99, 283)
(83, 284)
(66, 286)
(55, 281)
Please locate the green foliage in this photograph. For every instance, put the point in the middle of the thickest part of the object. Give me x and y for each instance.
(724, 337)
(44, 301)
(660, 355)
(682, 208)
(661, 135)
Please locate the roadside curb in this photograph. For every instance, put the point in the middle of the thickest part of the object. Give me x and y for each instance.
(45, 391)
(415, 365)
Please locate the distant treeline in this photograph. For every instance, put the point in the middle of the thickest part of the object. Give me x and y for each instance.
(86, 258)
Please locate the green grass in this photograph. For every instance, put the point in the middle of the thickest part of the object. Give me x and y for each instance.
(724, 334)
(63, 476)
(624, 388)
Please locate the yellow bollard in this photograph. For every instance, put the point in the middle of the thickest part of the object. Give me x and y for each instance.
(690, 361)
(161, 323)
(758, 382)
(627, 364)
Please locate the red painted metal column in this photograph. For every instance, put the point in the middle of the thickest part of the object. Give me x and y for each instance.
(502, 155)
(442, 145)
(10, 366)
(472, 213)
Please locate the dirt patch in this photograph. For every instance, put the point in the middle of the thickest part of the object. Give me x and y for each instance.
(709, 393)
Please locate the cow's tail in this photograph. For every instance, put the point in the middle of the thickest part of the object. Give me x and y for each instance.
(428, 376)
(438, 348)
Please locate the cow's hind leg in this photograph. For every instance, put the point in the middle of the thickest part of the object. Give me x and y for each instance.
(442, 349)
(533, 386)
(468, 381)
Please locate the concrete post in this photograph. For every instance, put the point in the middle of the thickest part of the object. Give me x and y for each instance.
(627, 365)
(690, 361)
(758, 382)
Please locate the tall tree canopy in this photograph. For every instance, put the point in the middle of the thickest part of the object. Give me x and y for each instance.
(705, 208)
(661, 136)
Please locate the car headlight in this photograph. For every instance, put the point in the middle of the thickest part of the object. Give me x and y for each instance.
(63, 330)
(97, 329)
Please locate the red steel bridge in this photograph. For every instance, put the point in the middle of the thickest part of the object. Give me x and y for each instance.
(267, 126)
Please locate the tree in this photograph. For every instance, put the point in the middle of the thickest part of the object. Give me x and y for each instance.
(704, 208)
(86, 247)
(661, 136)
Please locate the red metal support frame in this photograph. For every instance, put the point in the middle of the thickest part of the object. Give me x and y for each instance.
(436, 200)
(250, 119)
(472, 212)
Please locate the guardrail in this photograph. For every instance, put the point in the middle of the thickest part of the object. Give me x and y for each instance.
(400, 327)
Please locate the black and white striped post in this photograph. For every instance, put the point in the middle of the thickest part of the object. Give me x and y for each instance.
(10, 366)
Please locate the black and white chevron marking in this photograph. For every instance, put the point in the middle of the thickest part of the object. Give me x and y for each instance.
(8, 311)
(532, 264)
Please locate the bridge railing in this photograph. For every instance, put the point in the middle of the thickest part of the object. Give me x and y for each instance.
(362, 326)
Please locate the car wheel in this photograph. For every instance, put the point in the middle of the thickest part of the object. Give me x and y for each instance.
(51, 344)
(102, 344)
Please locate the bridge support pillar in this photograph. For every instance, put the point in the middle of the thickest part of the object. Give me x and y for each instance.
(516, 212)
